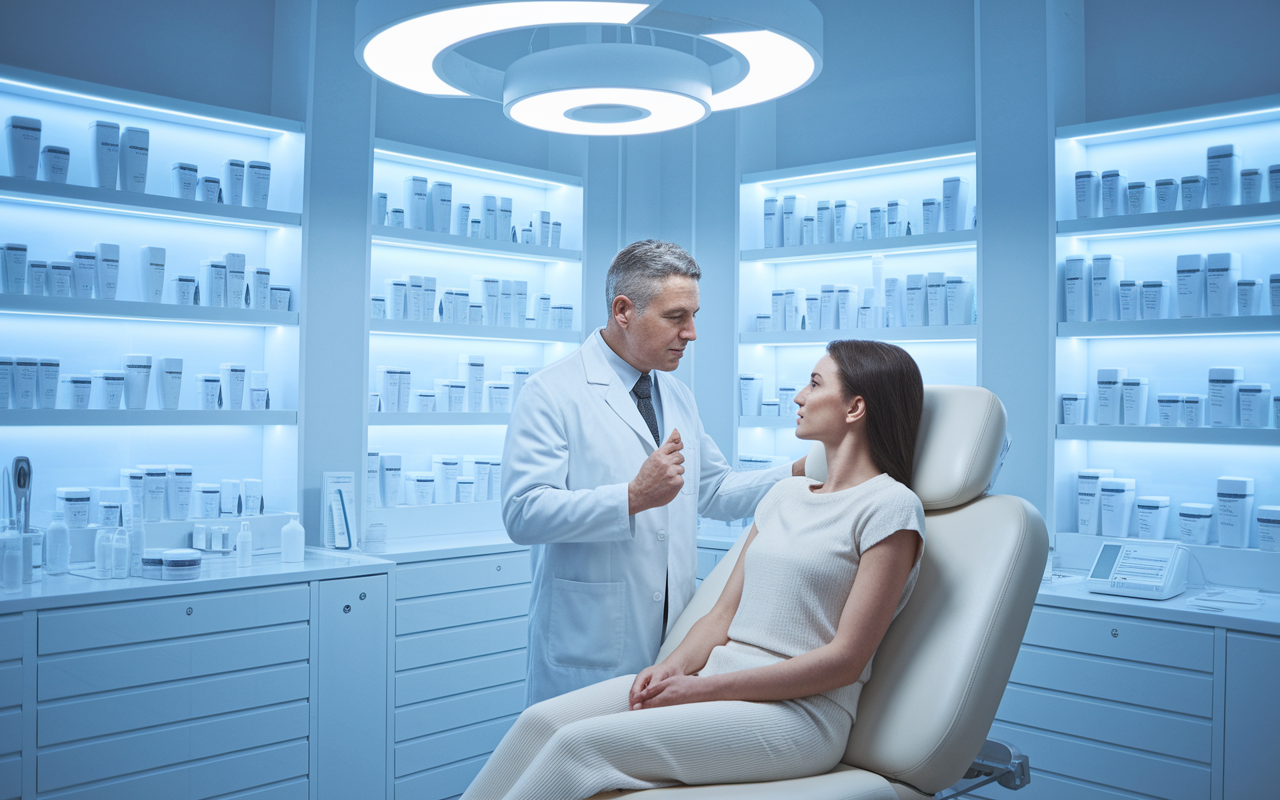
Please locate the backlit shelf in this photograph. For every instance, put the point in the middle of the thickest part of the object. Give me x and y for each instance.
(1149, 433)
(1211, 326)
(467, 245)
(437, 418)
(137, 204)
(151, 312)
(403, 327)
(65, 416)
(939, 333)
(897, 245)
(789, 421)
(1195, 219)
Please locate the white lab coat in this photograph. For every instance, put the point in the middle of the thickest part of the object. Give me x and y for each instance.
(574, 442)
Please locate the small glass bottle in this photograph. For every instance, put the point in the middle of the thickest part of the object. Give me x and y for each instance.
(244, 546)
(120, 554)
(11, 550)
(58, 546)
(102, 544)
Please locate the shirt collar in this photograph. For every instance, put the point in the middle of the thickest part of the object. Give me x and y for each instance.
(626, 373)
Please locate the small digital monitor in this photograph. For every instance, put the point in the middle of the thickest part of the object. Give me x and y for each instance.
(1106, 562)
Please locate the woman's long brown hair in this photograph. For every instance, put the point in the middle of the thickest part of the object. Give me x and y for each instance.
(888, 380)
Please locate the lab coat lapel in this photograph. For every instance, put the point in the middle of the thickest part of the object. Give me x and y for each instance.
(616, 395)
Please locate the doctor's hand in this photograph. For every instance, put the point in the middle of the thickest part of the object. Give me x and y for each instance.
(660, 478)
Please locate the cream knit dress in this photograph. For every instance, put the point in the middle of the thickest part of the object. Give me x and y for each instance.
(798, 574)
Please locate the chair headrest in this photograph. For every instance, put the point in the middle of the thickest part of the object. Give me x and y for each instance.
(958, 447)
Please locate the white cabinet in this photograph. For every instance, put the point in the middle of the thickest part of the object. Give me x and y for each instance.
(1252, 709)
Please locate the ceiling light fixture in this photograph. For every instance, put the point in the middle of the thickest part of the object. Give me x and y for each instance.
(773, 51)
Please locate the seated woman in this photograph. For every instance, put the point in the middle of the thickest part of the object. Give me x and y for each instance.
(766, 685)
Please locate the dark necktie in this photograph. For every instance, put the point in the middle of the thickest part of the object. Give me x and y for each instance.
(643, 392)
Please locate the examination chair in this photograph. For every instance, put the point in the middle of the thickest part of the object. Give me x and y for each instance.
(940, 672)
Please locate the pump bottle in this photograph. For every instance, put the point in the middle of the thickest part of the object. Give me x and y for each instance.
(244, 546)
(58, 542)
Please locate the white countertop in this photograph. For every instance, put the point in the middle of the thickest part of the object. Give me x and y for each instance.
(434, 547)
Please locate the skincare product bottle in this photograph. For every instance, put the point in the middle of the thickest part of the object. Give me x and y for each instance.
(1193, 410)
(824, 224)
(931, 215)
(259, 394)
(1191, 286)
(1115, 184)
(74, 391)
(155, 486)
(25, 372)
(232, 502)
(73, 503)
(153, 274)
(1250, 186)
(845, 212)
(1273, 287)
(1110, 399)
(6, 382)
(1115, 500)
(168, 382)
(445, 468)
(23, 137)
(260, 292)
(137, 377)
(208, 502)
(1166, 195)
(1088, 195)
(389, 479)
(1140, 198)
(258, 183)
(751, 393)
(1077, 288)
(37, 278)
(1108, 271)
(120, 554)
(955, 204)
(1130, 295)
(1255, 405)
(102, 542)
(57, 543)
(380, 208)
(215, 284)
(107, 270)
(1224, 396)
(424, 401)
(1153, 516)
(395, 218)
(84, 274)
(104, 154)
(233, 379)
(771, 221)
(1193, 191)
(107, 389)
(233, 182)
(505, 231)
(135, 146)
(1235, 511)
(210, 392)
(1222, 271)
(1134, 396)
(1073, 408)
(178, 483)
(1087, 504)
(936, 292)
(61, 279)
(807, 231)
(959, 301)
(185, 178)
(1248, 298)
(293, 540)
(1155, 300)
(235, 280)
(793, 212)
(13, 268)
(1169, 407)
(893, 302)
(441, 206)
(1223, 188)
(1269, 529)
(471, 370)
(244, 546)
(1194, 522)
(497, 397)
(47, 382)
(54, 161)
(153, 563)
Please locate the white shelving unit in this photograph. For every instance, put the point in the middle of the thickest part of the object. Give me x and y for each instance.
(88, 447)
(1173, 354)
(946, 354)
(429, 348)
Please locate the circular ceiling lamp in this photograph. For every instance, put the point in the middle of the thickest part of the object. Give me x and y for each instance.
(597, 89)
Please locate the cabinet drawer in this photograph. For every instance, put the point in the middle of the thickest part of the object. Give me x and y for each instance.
(438, 784)
(461, 574)
(459, 677)
(1141, 773)
(139, 665)
(454, 644)
(462, 608)
(445, 748)
(456, 712)
(10, 777)
(10, 637)
(170, 618)
(1181, 646)
(1152, 731)
(1124, 681)
(11, 731)
(171, 703)
(706, 562)
(11, 685)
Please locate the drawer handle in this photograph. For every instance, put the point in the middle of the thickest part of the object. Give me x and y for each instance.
(188, 611)
(362, 595)
(1115, 633)
(499, 568)
(346, 609)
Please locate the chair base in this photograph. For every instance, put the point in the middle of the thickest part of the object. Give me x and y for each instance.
(842, 783)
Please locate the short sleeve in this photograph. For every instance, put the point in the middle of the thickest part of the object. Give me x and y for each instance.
(896, 509)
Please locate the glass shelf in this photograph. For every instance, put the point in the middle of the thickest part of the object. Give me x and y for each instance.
(897, 245)
(1211, 326)
(151, 312)
(448, 330)
(117, 417)
(939, 333)
(1149, 433)
(438, 418)
(466, 245)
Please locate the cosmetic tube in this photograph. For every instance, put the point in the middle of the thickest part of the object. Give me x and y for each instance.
(959, 301)
(110, 515)
(155, 478)
(26, 370)
(6, 382)
(955, 203)
(237, 291)
(231, 504)
(807, 230)
(895, 217)
(1255, 405)
(395, 218)
(131, 479)
(185, 178)
(74, 391)
(1169, 410)
(1194, 408)
(14, 268)
(178, 491)
(1155, 300)
(1191, 286)
(137, 378)
(786, 397)
(233, 182)
(1108, 271)
(1269, 529)
(207, 503)
(813, 311)
(1134, 395)
(892, 303)
(1223, 170)
(544, 229)
(824, 227)
(260, 289)
(1250, 186)
(54, 161)
(233, 380)
(37, 278)
(555, 234)
(497, 397)
(1073, 408)
(875, 224)
(421, 488)
(168, 382)
(104, 154)
(134, 149)
(772, 221)
(61, 279)
(417, 202)
(1110, 395)
(380, 208)
(253, 502)
(915, 302)
(23, 137)
(107, 272)
(1115, 501)
(1140, 198)
(1166, 195)
(516, 376)
(153, 274)
(1193, 191)
(1235, 511)
(389, 479)
(446, 471)
(1224, 396)
(1087, 500)
(466, 489)
(47, 382)
(388, 384)
(451, 395)
(281, 297)
(840, 216)
(106, 390)
(1115, 185)
(1273, 289)
(1088, 195)
(1130, 296)
(471, 370)
(259, 395)
(936, 292)
(1248, 298)
(424, 401)
(931, 214)
(504, 219)
(258, 183)
(1153, 516)
(477, 468)
(1077, 288)
(210, 392)
(1221, 272)
(214, 288)
(750, 393)
(84, 275)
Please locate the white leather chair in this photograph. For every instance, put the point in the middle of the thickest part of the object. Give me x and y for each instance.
(941, 670)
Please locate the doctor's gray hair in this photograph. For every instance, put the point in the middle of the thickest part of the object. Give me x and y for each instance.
(638, 270)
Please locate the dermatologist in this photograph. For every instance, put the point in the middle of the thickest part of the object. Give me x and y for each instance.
(606, 467)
